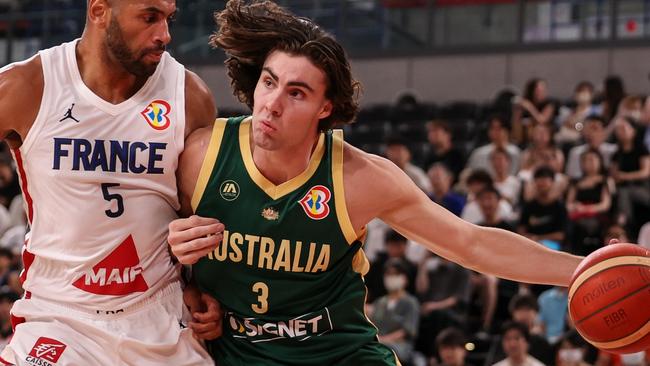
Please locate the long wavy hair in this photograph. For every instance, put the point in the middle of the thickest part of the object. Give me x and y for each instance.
(248, 33)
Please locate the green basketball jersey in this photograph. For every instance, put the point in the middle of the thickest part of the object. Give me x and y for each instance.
(288, 272)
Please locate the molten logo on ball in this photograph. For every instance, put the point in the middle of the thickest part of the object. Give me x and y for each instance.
(603, 288)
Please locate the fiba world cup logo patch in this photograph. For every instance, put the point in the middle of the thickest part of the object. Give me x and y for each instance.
(315, 202)
(156, 114)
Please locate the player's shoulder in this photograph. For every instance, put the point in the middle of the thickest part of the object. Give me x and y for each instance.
(357, 160)
(21, 77)
(199, 103)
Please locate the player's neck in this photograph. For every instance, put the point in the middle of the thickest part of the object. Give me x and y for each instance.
(105, 78)
(282, 165)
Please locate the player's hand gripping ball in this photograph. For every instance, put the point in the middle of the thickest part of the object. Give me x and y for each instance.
(609, 298)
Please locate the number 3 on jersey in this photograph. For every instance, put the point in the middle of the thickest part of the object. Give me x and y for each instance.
(113, 196)
(262, 290)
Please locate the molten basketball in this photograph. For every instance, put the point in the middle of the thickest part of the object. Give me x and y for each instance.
(609, 298)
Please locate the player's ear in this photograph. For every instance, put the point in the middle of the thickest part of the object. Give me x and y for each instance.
(326, 110)
(99, 13)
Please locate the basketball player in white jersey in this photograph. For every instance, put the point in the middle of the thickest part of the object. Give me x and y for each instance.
(96, 127)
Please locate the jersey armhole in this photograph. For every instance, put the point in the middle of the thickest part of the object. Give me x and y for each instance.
(339, 191)
(208, 161)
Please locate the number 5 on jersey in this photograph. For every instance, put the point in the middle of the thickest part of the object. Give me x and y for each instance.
(119, 200)
(262, 290)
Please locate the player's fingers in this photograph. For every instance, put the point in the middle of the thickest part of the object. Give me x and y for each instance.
(206, 331)
(192, 257)
(194, 247)
(179, 236)
(194, 220)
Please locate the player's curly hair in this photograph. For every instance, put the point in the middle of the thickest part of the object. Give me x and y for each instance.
(248, 33)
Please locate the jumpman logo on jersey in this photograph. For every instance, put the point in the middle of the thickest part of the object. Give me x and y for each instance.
(68, 115)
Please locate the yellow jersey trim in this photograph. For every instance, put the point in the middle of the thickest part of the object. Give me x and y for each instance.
(273, 191)
(339, 191)
(208, 161)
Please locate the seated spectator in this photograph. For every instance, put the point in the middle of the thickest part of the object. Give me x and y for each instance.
(524, 309)
(544, 218)
(9, 185)
(515, 342)
(443, 289)
(396, 314)
(451, 347)
(488, 201)
(573, 350)
(477, 181)
(631, 359)
(588, 203)
(630, 170)
(613, 93)
(443, 151)
(540, 147)
(7, 299)
(441, 181)
(616, 231)
(572, 120)
(499, 136)
(507, 184)
(553, 312)
(560, 180)
(395, 248)
(594, 136)
(398, 152)
(532, 108)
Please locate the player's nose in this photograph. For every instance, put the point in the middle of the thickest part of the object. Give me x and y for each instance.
(162, 34)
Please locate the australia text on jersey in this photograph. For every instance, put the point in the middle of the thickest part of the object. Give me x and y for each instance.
(263, 252)
(109, 155)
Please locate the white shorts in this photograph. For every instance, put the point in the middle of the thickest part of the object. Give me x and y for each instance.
(148, 333)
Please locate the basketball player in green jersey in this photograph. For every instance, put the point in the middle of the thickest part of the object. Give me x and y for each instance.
(292, 202)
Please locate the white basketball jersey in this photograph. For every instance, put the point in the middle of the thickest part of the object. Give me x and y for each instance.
(99, 185)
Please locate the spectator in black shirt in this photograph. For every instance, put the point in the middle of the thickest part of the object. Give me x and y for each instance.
(630, 169)
(588, 203)
(543, 219)
(443, 151)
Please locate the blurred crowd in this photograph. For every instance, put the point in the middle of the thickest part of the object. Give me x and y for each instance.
(569, 175)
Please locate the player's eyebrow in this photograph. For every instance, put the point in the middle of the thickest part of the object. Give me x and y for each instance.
(290, 83)
(153, 9)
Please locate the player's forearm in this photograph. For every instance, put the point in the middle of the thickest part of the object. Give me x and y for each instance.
(508, 255)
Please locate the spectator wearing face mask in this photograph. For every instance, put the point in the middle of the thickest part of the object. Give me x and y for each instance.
(396, 314)
(572, 351)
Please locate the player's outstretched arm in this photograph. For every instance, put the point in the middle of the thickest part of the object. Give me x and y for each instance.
(394, 198)
(192, 237)
(21, 90)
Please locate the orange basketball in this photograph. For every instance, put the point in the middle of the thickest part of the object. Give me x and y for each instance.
(609, 298)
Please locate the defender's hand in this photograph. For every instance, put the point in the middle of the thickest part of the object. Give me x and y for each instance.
(206, 314)
(194, 237)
